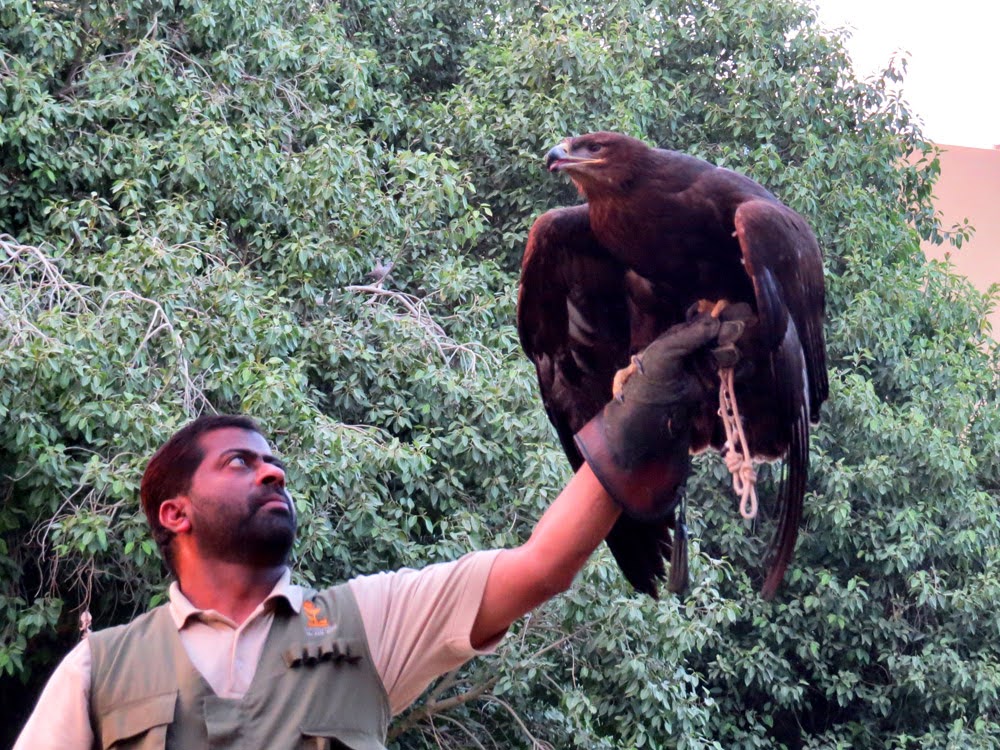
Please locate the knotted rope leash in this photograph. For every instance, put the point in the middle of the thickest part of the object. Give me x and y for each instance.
(737, 455)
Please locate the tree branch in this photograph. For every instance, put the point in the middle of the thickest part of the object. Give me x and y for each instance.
(416, 310)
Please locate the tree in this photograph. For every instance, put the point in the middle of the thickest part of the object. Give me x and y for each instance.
(193, 194)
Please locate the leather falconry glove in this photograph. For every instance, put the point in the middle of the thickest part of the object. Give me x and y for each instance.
(638, 445)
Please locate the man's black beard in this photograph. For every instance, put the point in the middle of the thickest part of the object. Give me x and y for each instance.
(266, 539)
(263, 539)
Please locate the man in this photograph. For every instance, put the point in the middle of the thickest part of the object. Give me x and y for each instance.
(240, 657)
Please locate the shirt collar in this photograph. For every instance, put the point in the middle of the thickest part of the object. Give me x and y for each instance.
(181, 608)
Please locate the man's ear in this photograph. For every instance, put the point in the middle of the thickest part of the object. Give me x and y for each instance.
(174, 515)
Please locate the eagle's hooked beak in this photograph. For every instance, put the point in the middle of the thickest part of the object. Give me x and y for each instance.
(555, 157)
(561, 157)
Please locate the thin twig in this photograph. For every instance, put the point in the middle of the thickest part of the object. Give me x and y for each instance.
(536, 744)
(430, 709)
(416, 310)
(468, 732)
(433, 707)
(194, 396)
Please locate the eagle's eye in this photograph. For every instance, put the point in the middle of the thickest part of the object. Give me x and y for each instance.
(593, 147)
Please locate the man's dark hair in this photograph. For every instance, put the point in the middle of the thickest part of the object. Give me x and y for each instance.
(169, 471)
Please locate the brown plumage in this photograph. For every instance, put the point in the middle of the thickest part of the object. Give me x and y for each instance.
(660, 231)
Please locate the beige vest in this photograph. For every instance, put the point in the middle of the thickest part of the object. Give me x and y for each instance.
(315, 686)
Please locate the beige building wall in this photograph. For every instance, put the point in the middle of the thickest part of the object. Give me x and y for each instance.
(969, 187)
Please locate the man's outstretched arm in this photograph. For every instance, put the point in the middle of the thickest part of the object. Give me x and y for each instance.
(639, 446)
(562, 541)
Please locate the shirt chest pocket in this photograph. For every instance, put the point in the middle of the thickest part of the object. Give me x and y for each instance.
(336, 738)
(139, 725)
(341, 696)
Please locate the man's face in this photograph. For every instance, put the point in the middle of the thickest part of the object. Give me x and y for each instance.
(239, 509)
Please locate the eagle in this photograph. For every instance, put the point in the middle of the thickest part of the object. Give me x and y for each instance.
(659, 233)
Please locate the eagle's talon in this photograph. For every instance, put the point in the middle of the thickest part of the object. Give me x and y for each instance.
(704, 306)
(712, 307)
(622, 376)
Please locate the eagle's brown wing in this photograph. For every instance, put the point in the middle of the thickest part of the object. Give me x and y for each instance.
(573, 319)
(783, 260)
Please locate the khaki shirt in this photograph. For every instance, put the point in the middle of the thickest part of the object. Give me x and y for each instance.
(417, 623)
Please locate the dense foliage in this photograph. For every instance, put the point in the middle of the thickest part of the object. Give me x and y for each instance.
(191, 196)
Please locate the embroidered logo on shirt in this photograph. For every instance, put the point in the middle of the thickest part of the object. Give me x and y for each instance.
(313, 619)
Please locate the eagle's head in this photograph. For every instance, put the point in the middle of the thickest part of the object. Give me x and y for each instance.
(599, 163)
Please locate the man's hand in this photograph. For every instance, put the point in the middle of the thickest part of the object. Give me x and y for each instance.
(638, 445)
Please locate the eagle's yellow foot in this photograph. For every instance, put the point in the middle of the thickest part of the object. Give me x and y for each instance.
(623, 375)
(713, 308)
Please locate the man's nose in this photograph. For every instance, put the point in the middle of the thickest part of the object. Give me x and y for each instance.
(271, 474)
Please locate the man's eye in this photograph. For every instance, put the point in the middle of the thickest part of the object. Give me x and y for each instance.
(238, 461)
